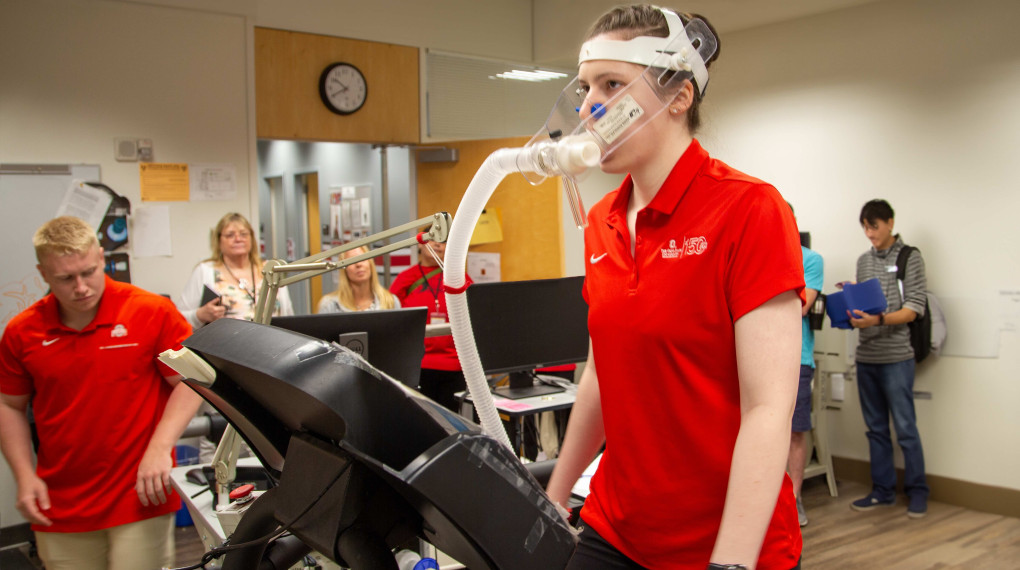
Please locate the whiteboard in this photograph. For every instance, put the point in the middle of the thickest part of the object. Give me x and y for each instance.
(29, 196)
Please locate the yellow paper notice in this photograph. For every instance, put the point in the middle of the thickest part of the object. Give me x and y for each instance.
(163, 182)
(488, 229)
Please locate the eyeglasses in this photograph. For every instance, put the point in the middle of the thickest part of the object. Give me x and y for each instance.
(232, 235)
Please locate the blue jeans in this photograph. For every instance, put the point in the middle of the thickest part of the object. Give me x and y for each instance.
(887, 389)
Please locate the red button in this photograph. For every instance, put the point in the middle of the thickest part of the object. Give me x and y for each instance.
(242, 492)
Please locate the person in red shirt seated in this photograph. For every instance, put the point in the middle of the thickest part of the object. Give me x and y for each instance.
(421, 285)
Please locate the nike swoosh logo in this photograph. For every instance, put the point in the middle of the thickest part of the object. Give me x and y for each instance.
(51, 341)
(595, 260)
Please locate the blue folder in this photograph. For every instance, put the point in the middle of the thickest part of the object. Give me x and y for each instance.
(866, 296)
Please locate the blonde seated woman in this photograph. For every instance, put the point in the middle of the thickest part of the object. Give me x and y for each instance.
(358, 289)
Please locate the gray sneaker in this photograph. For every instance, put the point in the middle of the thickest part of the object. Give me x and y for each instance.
(870, 502)
(801, 513)
(918, 506)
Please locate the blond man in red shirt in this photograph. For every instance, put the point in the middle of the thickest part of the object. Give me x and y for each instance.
(107, 413)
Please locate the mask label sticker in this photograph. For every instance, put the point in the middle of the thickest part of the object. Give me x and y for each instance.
(618, 118)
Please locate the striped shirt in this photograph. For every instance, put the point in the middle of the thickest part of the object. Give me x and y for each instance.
(891, 343)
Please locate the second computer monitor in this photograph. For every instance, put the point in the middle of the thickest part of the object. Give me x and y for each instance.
(523, 325)
(393, 341)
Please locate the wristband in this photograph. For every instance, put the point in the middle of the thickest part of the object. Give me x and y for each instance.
(881, 318)
(714, 566)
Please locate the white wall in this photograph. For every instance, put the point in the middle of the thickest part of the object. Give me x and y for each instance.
(77, 74)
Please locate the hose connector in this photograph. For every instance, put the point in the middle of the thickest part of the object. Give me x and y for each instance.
(568, 156)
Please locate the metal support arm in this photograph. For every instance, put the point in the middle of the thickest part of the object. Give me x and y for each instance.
(274, 275)
(275, 272)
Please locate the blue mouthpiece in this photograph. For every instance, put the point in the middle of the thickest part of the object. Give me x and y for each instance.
(598, 109)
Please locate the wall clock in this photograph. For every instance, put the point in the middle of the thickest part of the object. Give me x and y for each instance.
(343, 88)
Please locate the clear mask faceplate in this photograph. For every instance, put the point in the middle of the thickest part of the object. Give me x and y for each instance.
(669, 63)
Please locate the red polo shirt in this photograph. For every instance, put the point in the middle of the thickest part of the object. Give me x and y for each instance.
(712, 245)
(414, 290)
(97, 395)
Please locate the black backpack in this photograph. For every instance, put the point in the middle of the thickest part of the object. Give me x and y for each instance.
(920, 327)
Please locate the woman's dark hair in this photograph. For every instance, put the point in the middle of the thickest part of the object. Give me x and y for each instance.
(647, 20)
(876, 210)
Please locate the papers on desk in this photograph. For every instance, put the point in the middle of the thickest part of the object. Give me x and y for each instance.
(582, 487)
(511, 405)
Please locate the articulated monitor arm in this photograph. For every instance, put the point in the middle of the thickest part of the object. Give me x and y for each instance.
(277, 273)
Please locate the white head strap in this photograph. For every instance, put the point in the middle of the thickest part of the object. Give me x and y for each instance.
(675, 52)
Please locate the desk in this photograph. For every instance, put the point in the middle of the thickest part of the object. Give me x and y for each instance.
(513, 412)
(198, 499)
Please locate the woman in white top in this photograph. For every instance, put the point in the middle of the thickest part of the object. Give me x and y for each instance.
(234, 272)
(358, 289)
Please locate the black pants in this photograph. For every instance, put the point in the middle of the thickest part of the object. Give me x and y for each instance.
(441, 385)
(594, 553)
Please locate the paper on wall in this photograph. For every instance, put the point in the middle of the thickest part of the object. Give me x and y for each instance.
(150, 231)
(213, 182)
(483, 267)
(85, 202)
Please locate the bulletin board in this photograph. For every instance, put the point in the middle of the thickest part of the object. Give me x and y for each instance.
(31, 194)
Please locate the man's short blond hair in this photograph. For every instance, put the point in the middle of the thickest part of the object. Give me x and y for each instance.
(64, 236)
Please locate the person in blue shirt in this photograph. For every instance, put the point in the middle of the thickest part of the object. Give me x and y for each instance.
(813, 279)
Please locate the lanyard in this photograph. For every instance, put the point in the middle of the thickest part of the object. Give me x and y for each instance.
(425, 278)
(241, 282)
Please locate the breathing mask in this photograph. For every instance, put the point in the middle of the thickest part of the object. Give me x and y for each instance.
(669, 62)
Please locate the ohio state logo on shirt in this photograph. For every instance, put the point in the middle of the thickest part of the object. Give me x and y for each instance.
(690, 246)
(118, 331)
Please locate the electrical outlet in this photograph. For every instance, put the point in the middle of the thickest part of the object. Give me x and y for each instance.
(837, 387)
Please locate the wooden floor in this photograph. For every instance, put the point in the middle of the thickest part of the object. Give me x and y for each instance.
(189, 546)
(949, 537)
(837, 537)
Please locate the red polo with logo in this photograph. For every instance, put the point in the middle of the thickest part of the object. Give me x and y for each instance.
(712, 245)
(423, 287)
(97, 395)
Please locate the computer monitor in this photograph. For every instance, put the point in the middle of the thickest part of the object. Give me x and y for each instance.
(393, 340)
(523, 325)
